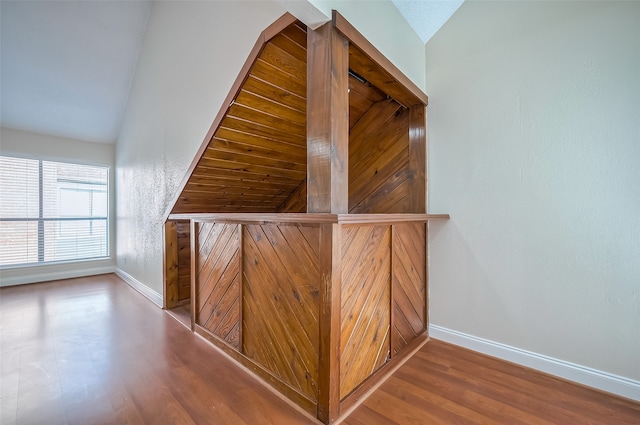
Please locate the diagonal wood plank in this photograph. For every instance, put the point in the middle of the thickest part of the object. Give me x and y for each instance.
(365, 303)
(280, 287)
(218, 281)
(409, 283)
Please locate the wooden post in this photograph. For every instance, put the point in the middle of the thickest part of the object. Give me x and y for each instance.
(170, 298)
(418, 159)
(327, 121)
(328, 191)
(329, 321)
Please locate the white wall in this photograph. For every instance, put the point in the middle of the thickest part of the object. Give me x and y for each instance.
(33, 145)
(534, 144)
(191, 55)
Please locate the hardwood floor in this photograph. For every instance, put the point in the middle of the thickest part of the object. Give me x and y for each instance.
(93, 351)
(446, 384)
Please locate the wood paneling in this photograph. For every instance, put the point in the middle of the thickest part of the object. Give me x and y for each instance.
(361, 96)
(316, 303)
(379, 174)
(170, 260)
(184, 260)
(281, 281)
(218, 281)
(297, 201)
(365, 303)
(261, 137)
(408, 279)
(418, 159)
(327, 121)
(368, 62)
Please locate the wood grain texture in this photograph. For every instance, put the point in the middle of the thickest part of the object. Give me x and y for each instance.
(329, 324)
(408, 280)
(297, 201)
(284, 22)
(379, 175)
(218, 281)
(170, 265)
(327, 121)
(112, 357)
(362, 95)
(367, 61)
(184, 261)
(365, 303)
(256, 153)
(446, 384)
(417, 159)
(281, 282)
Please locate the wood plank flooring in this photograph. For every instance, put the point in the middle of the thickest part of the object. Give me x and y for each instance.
(93, 351)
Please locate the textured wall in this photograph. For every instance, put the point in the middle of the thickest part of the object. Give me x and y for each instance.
(535, 151)
(52, 148)
(191, 55)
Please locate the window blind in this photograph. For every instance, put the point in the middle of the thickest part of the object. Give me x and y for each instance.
(52, 211)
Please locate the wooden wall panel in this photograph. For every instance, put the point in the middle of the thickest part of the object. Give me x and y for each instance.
(170, 263)
(281, 281)
(409, 283)
(218, 281)
(365, 303)
(184, 260)
(297, 201)
(379, 160)
(257, 155)
(361, 96)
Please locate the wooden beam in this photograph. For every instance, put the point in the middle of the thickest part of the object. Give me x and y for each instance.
(327, 121)
(377, 63)
(170, 259)
(418, 159)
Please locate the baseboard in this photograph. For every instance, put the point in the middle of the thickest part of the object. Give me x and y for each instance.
(152, 295)
(597, 379)
(58, 275)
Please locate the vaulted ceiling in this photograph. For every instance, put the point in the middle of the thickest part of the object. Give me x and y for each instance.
(66, 67)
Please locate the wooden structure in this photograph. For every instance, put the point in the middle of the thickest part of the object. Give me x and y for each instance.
(299, 234)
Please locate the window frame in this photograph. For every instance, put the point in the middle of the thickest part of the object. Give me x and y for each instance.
(41, 220)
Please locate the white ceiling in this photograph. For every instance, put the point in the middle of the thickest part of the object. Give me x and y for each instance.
(426, 17)
(67, 66)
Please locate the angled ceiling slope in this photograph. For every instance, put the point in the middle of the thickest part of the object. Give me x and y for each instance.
(255, 153)
(254, 157)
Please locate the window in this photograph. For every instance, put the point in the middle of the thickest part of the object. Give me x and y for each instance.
(52, 211)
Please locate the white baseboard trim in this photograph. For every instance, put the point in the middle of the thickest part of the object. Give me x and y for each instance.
(152, 295)
(58, 275)
(603, 381)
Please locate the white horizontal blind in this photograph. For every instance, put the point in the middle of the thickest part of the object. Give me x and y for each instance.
(52, 211)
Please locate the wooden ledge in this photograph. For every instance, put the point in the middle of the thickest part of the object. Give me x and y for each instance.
(259, 218)
(303, 218)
